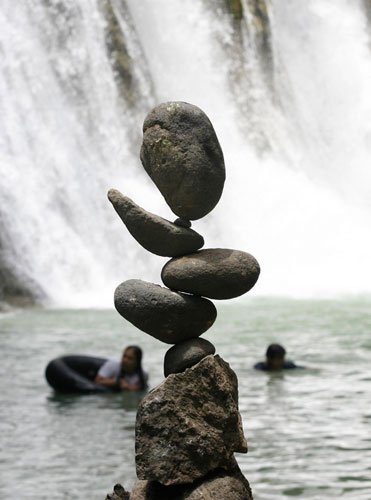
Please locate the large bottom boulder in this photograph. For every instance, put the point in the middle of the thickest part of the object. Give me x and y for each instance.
(220, 484)
(189, 425)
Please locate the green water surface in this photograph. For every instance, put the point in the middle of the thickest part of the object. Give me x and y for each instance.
(309, 431)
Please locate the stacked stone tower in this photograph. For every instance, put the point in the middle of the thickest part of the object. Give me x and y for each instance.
(189, 427)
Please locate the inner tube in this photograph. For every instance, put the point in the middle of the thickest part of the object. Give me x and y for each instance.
(75, 374)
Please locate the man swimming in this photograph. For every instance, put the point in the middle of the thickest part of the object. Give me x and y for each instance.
(275, 360)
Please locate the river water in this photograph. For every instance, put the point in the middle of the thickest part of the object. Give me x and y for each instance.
(308, 432)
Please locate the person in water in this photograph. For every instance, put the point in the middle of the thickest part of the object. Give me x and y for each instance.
(275, 360)
(126, 374)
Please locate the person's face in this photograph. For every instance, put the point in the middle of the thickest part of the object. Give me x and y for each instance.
(276, 363)
(129, 361)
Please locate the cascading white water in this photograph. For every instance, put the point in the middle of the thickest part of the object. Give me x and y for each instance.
(301, 207)
(66, 139)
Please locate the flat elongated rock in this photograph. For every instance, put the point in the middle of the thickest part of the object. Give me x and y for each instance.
(182, 155)
(155, 234)
(186, 354)
(215, 273)
(189, 425)
(166, 315)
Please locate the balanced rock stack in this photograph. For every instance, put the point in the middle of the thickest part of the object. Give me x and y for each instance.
(188, 427)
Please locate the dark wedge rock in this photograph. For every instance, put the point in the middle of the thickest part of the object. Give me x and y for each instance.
(215, 273)
(162, 313)
(182, 155)
(155, 234)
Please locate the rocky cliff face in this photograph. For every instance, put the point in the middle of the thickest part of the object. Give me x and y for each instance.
(15, 289)
(119, 32)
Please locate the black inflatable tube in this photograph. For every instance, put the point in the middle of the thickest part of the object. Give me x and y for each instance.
(75, 374)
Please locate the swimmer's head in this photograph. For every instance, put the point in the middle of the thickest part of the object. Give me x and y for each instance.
(131, 359)
(275, 357)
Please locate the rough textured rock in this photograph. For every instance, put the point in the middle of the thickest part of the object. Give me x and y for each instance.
(215, 273)
(218, 485)
(155, 234)
(182, 155)
(119, 493)
(142, 490)
(189, 425)
(166, 315)
(186, 354)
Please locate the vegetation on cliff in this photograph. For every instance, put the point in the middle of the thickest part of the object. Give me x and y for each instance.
(119, 56)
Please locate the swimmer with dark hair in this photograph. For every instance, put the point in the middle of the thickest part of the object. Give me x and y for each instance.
(126, 374)
(275, 360)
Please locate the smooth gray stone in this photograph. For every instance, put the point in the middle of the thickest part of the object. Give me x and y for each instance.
(162, 313)
(183, 222)
(186, 354)
(189, 425)
(216, 273)
(182, 155)
(155, 234)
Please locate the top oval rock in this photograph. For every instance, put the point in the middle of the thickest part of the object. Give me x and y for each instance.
(182, 155)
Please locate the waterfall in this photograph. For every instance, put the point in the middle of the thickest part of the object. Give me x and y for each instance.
(286, 89)
(69, 132)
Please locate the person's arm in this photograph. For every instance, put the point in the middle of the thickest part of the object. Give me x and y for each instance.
(122, 384)
(107, 374)
(107, 382)
(125, 386)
